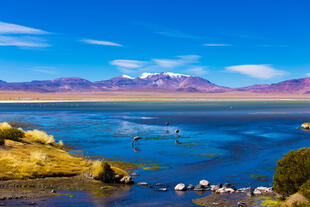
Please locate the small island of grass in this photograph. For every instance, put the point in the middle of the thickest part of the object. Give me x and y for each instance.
(32, 160)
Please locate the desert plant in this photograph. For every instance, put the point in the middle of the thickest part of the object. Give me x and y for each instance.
(11, 133)
(103, 171)
(292, 172)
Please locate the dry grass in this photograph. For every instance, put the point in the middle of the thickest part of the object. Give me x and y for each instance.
(38, 156)
(39, 136)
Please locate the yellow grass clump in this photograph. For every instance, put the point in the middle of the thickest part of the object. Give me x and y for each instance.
(40, 136)
(4, 125)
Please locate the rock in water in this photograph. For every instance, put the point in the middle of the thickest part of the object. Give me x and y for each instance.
(190, 187)
(257, 192)
(142, 183)
(306, 125)
(167, 123)
(162, 189)
(199, 188)
(180, 187)
(214, 188)
(204, 183)
(177, 131)
(127, 180)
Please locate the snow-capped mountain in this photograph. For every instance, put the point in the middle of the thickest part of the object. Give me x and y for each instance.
(163, 81)
(153, 81)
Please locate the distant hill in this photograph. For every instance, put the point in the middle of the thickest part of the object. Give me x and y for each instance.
(153, 81)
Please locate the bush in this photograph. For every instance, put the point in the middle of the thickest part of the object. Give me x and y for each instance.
(292, 172)
(103, 171)
(11, 133)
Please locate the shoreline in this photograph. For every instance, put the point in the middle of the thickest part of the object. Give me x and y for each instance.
(152, 100)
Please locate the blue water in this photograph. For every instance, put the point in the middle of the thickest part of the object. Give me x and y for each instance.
(220, 141)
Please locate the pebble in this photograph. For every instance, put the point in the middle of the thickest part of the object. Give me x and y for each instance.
(180, 187)
(162, 189)
(142, 183)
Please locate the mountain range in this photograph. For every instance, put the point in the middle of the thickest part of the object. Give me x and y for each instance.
(152, 81)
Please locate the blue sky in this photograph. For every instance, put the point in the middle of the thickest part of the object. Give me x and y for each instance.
(229, 42)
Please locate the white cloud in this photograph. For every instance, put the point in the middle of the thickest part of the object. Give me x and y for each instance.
(167, 63)
(217, 45)
(257, 71)
(199, 70)
(100, 42)
(22, 41)
(45, 69)
(128, 63)
(180, 61)
(308, 74)
(6, 28)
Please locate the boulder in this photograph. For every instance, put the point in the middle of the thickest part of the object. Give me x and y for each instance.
(180, 187)
(162, 189)
(204, 183)
(229, 190)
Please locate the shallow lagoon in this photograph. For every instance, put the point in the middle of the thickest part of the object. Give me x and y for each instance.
(222, 141)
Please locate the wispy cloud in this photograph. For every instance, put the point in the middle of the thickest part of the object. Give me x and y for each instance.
(308, 74)
(45, 69)
(217, 45)
(185, 63)
(100, 42)
(168, 32)
(22, 41)
(257, 71)
(7, 28)
(128, 63)
(199, 70)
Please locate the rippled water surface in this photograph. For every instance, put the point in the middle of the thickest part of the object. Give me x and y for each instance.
(236, 142)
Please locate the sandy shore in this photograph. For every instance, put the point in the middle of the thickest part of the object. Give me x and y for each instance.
(36, 97)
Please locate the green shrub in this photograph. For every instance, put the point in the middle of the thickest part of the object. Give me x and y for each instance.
(11, 133)
(103, 171)
(305, 189)
(292, 172)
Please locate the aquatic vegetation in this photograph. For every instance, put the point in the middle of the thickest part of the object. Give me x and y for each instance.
(206, 155)
(270, 202)
(292, 172)
(259, 177)
(153, 166)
